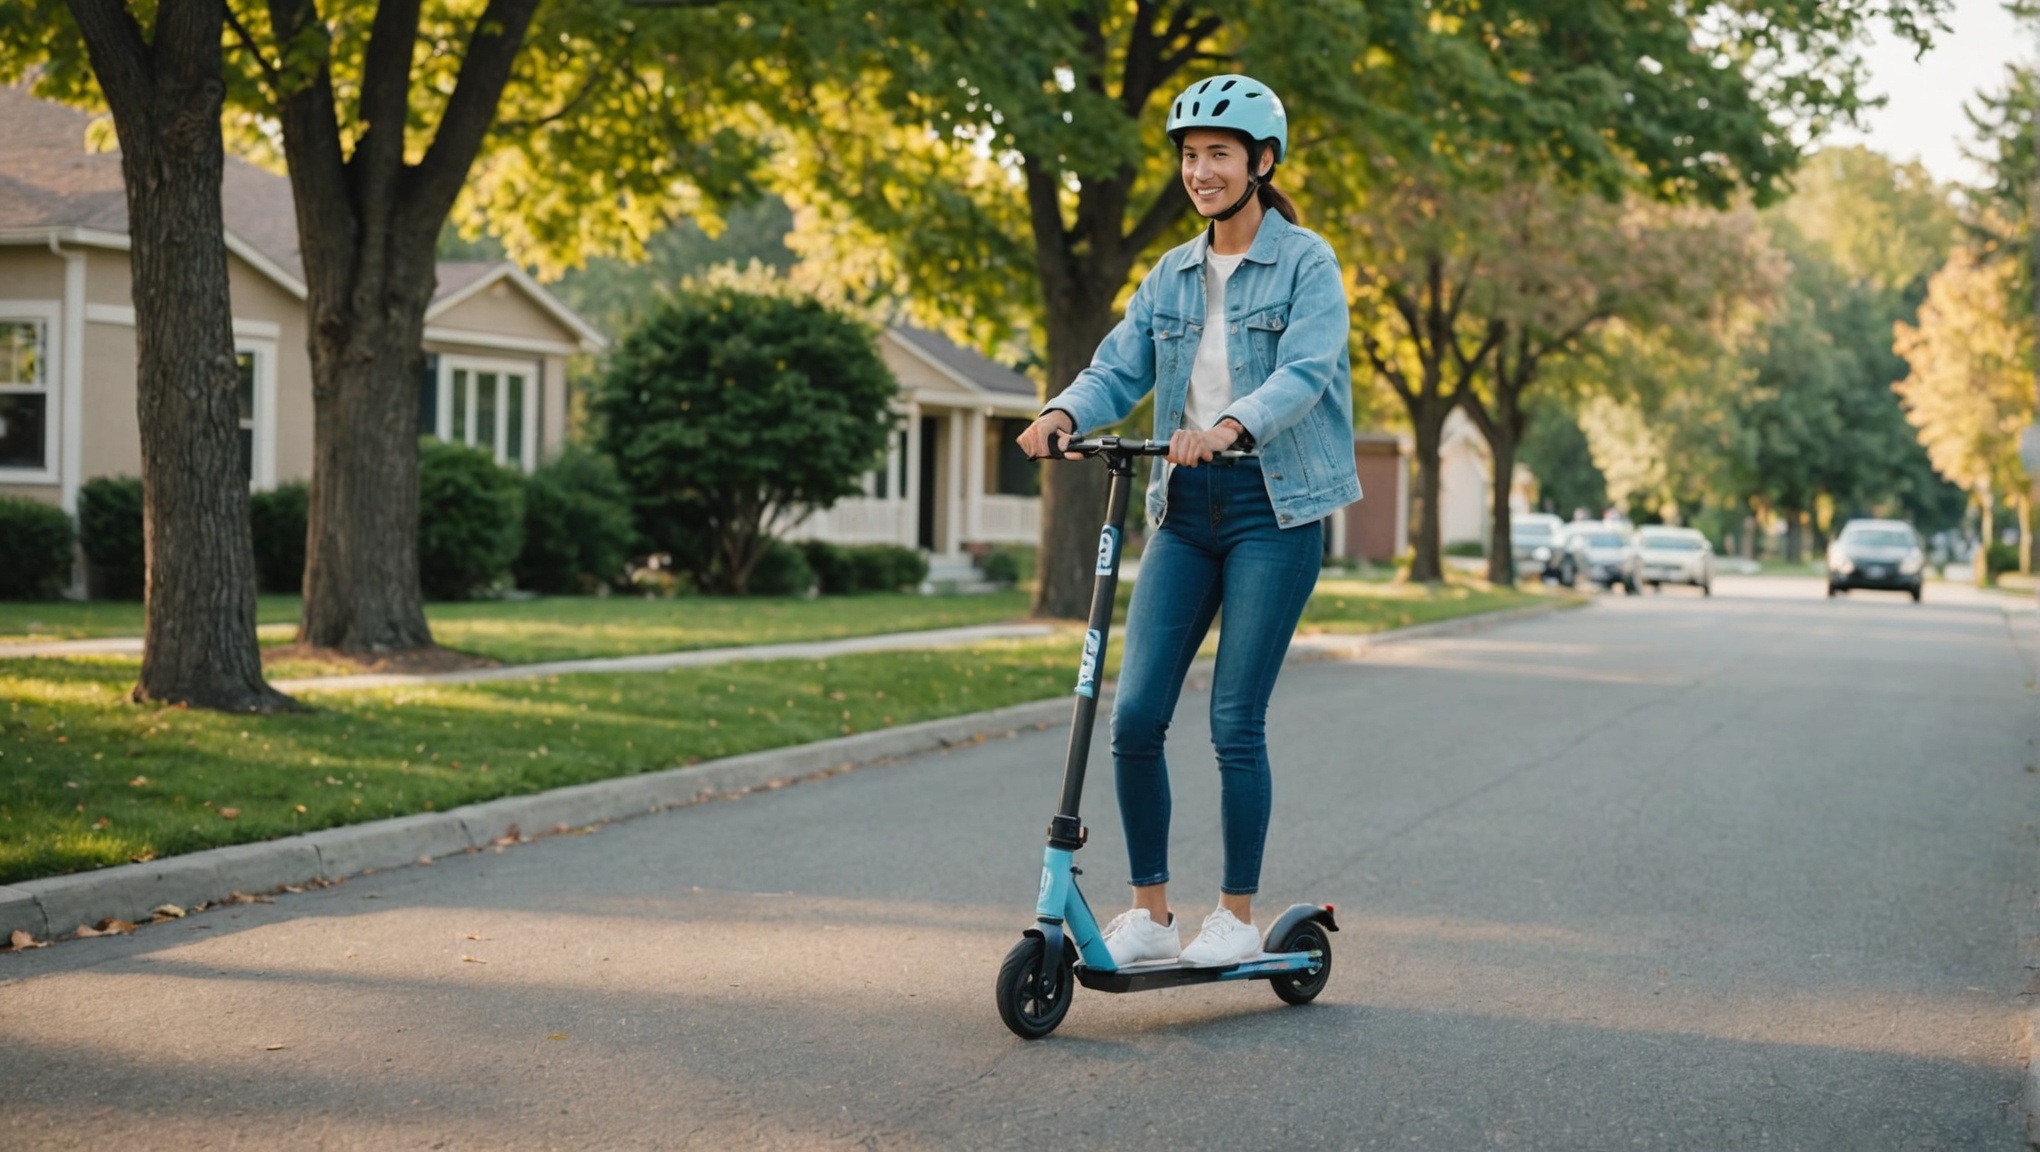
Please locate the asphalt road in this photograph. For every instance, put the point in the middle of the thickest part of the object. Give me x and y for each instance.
(1748, 872)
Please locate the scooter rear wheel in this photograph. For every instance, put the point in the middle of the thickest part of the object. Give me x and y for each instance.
(1027, 1008)
(1303, 987)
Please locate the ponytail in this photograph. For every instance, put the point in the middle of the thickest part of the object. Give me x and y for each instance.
(1275, 200)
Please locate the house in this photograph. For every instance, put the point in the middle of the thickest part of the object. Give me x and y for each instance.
(497, 343)
(954, 481)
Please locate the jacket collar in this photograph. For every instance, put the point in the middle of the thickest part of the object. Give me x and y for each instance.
(1263, 251)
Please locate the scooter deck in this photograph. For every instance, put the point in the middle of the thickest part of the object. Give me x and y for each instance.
(1171, 974)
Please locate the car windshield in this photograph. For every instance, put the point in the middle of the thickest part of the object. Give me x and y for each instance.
(1601, 539)
(1530, 533)
(1878, 537)
(1671, 543)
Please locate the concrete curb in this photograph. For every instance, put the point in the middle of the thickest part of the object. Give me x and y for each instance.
(58, 905)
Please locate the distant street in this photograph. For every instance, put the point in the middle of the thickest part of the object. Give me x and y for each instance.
(1667, 872)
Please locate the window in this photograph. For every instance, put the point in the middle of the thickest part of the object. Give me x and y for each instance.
(255, 398)
(889, 480)
(1008, 471)
(24, 394)
(489, 404)
(246, 392)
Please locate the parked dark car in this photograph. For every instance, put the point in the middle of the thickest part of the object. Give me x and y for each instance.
(1606, 554)
(1538, 542)
(1885, 554)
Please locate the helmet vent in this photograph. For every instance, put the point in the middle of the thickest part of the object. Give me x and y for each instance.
(1251, 95)
(1202, 87)
(1179, 109)
(1219, 108)
(1196, 108)
(1227, 87)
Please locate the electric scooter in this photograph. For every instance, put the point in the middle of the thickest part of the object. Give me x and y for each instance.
(1064, 947)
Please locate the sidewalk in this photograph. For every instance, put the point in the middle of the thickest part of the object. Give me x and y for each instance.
(652, 662)
(58, 905)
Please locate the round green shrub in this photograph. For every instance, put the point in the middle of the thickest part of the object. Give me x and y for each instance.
(110, 532)
(577, 528)
(39, 539)
(727, 411)
(834, 573)
(470, 520)
(888, 567)
(277, 524)
(1001, 566)
(782, 571)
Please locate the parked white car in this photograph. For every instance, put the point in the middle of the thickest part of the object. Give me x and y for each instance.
(1676, 556)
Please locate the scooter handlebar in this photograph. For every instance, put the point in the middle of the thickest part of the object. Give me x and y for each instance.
(1058, 444)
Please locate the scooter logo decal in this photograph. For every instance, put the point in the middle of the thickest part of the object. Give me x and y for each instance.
(1087, 673)
(1108, 549)
(1047, 880)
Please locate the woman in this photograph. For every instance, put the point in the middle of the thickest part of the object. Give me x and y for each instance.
(1241, 336)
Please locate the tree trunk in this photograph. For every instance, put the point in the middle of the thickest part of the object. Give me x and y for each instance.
(362, 591)
(1427, 563)
(1985, 501)
(1501, 567)
(198, 645)
(2026, 533)
(1072, 493)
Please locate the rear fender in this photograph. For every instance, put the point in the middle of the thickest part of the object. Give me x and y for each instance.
(1295, 915)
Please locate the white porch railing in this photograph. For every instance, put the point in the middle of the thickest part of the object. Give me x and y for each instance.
(861, 520)
(1009, 519)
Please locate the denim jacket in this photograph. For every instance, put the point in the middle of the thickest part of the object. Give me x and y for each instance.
(1292, 380)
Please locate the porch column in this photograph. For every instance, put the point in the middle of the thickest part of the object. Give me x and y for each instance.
(959, 449)
(910, 487)
(974, 471)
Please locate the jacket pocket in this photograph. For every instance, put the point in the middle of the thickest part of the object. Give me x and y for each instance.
(1264, 336)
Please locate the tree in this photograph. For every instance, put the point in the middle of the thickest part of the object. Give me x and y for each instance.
(570, 128)
(732, 415)
(163, 85)
(1970, 391)
(998, 148)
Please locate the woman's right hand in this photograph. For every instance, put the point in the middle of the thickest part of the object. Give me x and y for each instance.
(1034, 441)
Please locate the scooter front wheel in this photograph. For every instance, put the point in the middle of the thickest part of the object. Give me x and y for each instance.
(1028, 1005)
(1303, 987)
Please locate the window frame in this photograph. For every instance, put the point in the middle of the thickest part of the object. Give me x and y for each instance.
(262, 470)
(529, 370)
(48, 313)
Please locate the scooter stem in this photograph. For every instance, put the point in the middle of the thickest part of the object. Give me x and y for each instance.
(1066, 831)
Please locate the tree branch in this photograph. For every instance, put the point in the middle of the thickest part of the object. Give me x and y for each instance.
(597, 73)
(1167, 207)
(484, 72)
(1393, 375)
(241, 33)
(120, 57)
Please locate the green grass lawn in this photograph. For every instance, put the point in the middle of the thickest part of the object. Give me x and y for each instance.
(88, 780)
(573, 627)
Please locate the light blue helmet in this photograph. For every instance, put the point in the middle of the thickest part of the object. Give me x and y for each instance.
(1234, 103)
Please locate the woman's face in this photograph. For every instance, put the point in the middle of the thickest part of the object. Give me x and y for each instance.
(1214, 169)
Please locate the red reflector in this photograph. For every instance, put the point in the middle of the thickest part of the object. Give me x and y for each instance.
(1330, 908)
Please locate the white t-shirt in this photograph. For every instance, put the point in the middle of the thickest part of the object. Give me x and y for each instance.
(1211, 373)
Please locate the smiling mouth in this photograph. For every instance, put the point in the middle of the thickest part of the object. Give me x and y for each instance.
(1208, 193)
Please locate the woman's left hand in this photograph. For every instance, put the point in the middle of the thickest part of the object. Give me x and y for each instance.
(1188, 449)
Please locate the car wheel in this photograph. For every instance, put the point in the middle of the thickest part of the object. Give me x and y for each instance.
(1833, 591)
(1916, 593)
(1657, 585)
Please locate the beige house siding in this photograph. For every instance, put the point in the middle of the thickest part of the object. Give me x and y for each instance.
(501, 308)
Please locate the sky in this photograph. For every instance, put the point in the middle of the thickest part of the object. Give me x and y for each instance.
(1923, 118)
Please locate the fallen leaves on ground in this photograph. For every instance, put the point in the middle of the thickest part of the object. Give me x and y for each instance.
(466, 959)
(230, 813)
(22, 941)
(167, 911)
(110, 926)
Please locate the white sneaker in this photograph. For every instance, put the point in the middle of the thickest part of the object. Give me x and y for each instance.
(1224, 940)
(1133, 937)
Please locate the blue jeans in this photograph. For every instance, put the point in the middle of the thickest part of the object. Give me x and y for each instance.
(1220, 548)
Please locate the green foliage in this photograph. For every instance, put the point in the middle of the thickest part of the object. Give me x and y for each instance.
(577, 530)
(733, 415)
(276, 521)
(1466, 548)
(2001, 558)
(1008, 565)
(470, 520)
(782, 571)
(841, 570)
(110, 532)
(39, 539)
(1556, 452)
